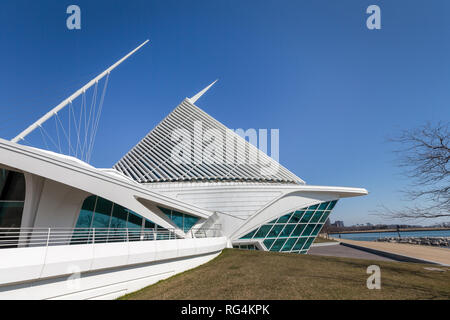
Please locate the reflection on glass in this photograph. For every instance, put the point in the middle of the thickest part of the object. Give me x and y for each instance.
(12, 197)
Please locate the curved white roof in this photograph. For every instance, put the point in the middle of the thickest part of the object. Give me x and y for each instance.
(151, 160)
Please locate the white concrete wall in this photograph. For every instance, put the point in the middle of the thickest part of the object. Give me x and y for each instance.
(33, 191)
(107, 270)
(239, 200)
(59, 205)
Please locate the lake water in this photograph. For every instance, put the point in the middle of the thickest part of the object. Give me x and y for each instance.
(371, 236)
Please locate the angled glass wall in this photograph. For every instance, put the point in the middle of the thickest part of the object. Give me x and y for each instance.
(293, 232)
(183, 221)
(100, 213)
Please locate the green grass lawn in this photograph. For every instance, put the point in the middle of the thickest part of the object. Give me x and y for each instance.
(245, 274)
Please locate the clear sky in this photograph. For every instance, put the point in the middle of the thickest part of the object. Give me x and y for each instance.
(312, 69)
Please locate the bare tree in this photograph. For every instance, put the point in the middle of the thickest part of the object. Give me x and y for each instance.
(424, 156)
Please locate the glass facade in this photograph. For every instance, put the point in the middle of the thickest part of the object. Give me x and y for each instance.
(97, 212)
(293, 232)
(183, 221)
(12, 198)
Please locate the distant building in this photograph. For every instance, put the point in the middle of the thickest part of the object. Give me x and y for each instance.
(338, 223)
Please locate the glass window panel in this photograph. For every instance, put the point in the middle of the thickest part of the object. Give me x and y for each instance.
(119, 217)
(118, 221)
(12, 185)
(316, 217)
(103, 206)
(177, 219)
(323, 205)
(317, 229)
(189, 222)
(262, 232)
(84, 219)
(285, 218)
(308, 243)
(102, 213)
(12, 196)
(289, 244)
(166, 211)
(298, 230)
(314, 207)
(324, 217)
(3, 178)
(287, 230)
(278, 245)
(276, 230)
(149, 224)
(11, 214)
(274, 220)
(307, 216)
(135, 224)
(332, 204)
(308, 230)
(134, 221)
(300, 243)
(268, 243)
(296, 216)
(89, 203)
(249, 235)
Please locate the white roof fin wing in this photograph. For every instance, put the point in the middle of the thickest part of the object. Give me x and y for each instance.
(153, 155)
(194, 99)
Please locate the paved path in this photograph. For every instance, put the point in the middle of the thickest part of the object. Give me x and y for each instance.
(428, 253)
(345, 252)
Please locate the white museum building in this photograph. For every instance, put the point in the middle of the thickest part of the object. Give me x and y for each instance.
(69, 230)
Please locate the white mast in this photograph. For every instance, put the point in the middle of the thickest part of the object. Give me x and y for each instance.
(194, 99)
(55, 110)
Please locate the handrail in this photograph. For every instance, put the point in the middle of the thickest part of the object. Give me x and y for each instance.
(44, 237)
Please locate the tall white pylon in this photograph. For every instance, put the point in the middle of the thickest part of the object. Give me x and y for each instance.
(201, 93)
(66, 102)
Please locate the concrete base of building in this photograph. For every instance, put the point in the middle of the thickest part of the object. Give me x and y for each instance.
(102, 284)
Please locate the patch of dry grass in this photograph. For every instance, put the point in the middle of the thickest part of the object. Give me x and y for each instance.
(242, 274)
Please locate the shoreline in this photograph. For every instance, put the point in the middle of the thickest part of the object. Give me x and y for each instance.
(390, 230)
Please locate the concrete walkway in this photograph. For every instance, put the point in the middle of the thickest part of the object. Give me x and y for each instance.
(337, 250)
(425, 253)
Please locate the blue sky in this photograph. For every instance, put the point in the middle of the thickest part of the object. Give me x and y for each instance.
(312, 69)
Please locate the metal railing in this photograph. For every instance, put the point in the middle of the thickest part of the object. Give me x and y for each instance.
(43, 237)
(206, 232)
(37, 237)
